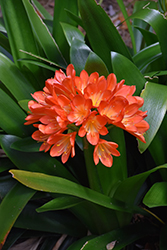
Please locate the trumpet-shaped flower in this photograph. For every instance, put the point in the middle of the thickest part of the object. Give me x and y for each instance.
(92, 127)
(103, 151)
(85, 105)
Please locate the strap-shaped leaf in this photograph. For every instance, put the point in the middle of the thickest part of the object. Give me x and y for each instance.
(156, 196)
(11, 207)
(116, 239)
(60, 15)
(147, 56)
(39, 161)
(15, 25)
(158, 23)
(53, 184)
(155, 102)
(12, 116)
(46, 40)
(79, 53)
(125, 69)
(71, 31)
(102, 34)
(14, 80)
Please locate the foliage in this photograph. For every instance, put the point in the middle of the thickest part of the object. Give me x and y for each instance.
(95, 205)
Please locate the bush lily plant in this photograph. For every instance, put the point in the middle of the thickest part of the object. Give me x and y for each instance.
(72, 105)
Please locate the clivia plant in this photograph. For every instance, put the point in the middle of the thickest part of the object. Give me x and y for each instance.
(83, 126)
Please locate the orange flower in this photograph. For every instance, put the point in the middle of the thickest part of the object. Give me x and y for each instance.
(103, 151)
(92, 127)
(63, 144)
(81, 109)
(84, 104)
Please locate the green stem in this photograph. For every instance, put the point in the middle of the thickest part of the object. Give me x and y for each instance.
(94, 180)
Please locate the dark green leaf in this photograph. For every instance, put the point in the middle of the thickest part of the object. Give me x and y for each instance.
(155, 102)
(71, 32)
(102, 34)
(26, 145)
(62, 202)
(40, 161)
(156, 196)
(15, 24)
(11, 207)
(60, 15)
(125, 69)
(62, 222)
(79, 53)
(14, 80)
(45, 38)
(95, 64)
(12, 116)
(53, 184)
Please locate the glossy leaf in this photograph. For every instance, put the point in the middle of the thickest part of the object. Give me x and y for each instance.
(11, 207)
(15, 24)
(156, 196)
(45, 38)
(62, 202)
(116, 239)
(102, 40)
(14, 80)
(12, 116)
(147, 56)
(158, 23)
(62, 222)
(79, 53)
(95, 64)
(45, 14)
(26, 145)
(53, 184)
(60, 15)
(37, 161)
(71, 32)
(125, 69)
(110, 178)
(4, 42)
(129, 188)
(155, 102)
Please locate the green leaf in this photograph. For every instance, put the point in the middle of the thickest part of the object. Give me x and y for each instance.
(45, 38)
(60, 15)
(41, 64)
(156, 196)
(45, 14)
(15, 24)
(125, 14)
(53, 184)
(4, 42)
(14, 80)
(71, 32)
(125, 69)
(62, 222)
(11, 207)
(12, 116)
(24, 104)
(147, 56)
(62, 202)
(155, 102)
(26, 145)
(129, 188)
(110, 178)
(102, 34)
(79, 53)
(40, 162)
(158, 23)
(116, 239)
(95, 64)
(149, 37)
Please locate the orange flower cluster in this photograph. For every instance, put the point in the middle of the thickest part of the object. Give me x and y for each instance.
(84, 105)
